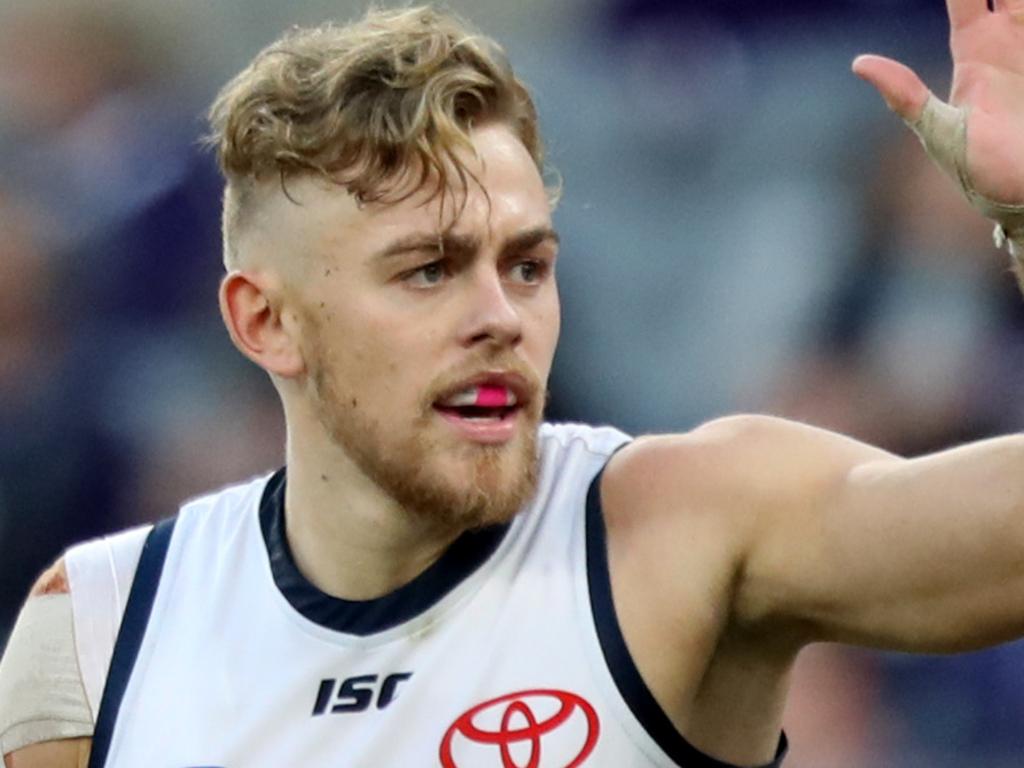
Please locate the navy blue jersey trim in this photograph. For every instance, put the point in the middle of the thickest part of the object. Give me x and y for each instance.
(129, 636)
(618, 659)
(365, 617)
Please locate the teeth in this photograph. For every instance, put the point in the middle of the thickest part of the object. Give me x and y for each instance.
(486, 396)
(465, 397)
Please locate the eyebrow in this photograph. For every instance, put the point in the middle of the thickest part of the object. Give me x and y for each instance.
(462, 245)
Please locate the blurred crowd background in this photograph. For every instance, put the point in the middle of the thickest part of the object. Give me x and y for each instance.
(745, 228)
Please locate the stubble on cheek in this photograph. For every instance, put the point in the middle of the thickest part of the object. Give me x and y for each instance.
(428, 474)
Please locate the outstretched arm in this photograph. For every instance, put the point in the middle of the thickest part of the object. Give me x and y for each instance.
(836, 540)
(978, 136)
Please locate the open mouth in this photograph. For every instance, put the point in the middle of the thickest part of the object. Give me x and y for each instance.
(485, 402)
(478, 413)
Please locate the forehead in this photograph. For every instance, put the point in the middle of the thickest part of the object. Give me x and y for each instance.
(321, 218)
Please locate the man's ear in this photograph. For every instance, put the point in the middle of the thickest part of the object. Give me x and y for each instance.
(251, 303)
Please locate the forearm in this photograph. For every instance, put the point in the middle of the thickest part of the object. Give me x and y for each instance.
(940, 544)
(921, 554)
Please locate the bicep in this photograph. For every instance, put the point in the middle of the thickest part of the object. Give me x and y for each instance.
(65, 753)
(924, 554)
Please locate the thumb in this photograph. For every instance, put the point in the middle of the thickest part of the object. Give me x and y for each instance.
(941, 127)
(901, 88)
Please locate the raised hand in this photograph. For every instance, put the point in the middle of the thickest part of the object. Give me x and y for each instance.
(978, 137)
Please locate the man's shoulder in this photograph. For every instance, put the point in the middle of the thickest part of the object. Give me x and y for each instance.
(94, 564)
(236, 495)
(724, 465)
(679, 511)
(735, 466)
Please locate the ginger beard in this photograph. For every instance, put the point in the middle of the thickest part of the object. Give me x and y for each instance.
(482, 484)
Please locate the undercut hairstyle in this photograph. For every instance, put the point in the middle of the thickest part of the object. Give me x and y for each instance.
(379, 106)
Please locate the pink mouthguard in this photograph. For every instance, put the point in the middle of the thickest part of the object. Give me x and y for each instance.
(491, 396)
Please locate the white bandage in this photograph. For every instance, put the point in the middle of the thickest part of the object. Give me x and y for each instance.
(942, 129)
(41, 692)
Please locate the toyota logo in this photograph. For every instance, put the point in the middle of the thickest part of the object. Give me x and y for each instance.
(541, 728)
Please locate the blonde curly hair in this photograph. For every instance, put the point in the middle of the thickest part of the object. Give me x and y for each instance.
(371, 106)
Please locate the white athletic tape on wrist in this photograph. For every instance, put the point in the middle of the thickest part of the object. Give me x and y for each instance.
(942, 129)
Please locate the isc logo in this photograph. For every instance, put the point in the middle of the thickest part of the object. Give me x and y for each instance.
(355, 694)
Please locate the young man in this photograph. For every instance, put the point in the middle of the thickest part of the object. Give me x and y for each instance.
(441, 579)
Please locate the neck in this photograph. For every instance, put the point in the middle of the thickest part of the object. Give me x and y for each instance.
(348, 537)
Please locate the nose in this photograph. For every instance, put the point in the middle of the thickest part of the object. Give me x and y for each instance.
(492, 317)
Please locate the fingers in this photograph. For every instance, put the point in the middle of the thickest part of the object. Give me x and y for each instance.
(901, 88)
(963, 12)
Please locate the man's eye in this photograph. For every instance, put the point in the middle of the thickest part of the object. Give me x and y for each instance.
(528, 272)
(429, 274)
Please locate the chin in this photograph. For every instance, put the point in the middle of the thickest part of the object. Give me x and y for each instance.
(440, 477)
(488, 485)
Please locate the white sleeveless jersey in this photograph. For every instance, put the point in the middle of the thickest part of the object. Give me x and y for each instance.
(504, 654)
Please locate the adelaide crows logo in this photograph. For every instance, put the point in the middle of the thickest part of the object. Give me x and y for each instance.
(542, 728)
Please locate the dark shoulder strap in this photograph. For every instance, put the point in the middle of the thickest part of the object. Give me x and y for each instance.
(129, 636)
